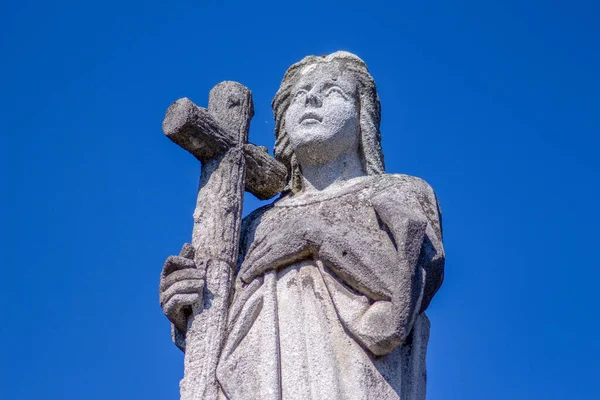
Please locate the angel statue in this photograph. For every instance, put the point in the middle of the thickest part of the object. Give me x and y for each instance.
(333, 278)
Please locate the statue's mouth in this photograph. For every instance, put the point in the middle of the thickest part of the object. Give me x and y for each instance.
(311, 118)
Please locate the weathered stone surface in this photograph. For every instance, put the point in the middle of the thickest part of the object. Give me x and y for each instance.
(333, 278)
(196, 130)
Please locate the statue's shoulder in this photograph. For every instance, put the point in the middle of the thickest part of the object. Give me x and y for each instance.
(400, 184)
(251, 219)
(409, 191)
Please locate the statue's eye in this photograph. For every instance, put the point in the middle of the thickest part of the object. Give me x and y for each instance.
(335, 91)
(299, 95)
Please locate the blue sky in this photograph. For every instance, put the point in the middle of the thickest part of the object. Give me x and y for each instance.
(496, 104)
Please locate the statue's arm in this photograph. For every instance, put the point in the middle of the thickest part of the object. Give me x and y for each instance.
(432, 257)
(410, 213)
(413, 198)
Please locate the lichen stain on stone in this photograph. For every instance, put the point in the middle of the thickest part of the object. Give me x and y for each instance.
(291, 283)
(307, 282)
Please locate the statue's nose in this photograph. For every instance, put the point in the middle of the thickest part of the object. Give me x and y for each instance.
(313, 99)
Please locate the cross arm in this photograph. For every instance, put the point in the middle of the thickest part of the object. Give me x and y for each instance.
(197, 131)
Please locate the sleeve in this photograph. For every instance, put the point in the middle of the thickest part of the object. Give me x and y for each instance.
(408, 211)
(432, 257)
(413, 198)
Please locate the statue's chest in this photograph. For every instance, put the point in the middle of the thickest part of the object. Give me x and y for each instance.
(349, 211)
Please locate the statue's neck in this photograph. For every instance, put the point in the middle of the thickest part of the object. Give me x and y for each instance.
(331, 174)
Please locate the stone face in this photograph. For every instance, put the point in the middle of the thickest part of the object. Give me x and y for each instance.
(320, 295)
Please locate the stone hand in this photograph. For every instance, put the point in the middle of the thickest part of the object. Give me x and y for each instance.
(293, 242)
(181, 285)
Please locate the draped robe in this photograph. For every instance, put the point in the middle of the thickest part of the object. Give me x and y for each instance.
(294, 332)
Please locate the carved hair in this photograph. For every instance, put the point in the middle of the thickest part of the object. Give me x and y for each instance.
(369, 111)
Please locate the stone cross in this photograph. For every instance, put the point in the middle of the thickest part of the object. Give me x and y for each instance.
(218, 138)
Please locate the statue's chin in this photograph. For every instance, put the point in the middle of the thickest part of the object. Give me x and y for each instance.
(315, 145)
(316, 152)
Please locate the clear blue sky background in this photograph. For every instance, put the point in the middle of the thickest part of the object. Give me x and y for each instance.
(495, 103)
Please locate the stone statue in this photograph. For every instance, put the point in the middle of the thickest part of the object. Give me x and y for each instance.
(325, 295)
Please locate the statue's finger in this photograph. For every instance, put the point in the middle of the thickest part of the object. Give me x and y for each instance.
(174, 305)
(274, 256)
(181, 275)
(251, 268)
(177, 309)
(257, 253)
(187, 251)
(174, 263)
(188, 286)
(255, 244)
